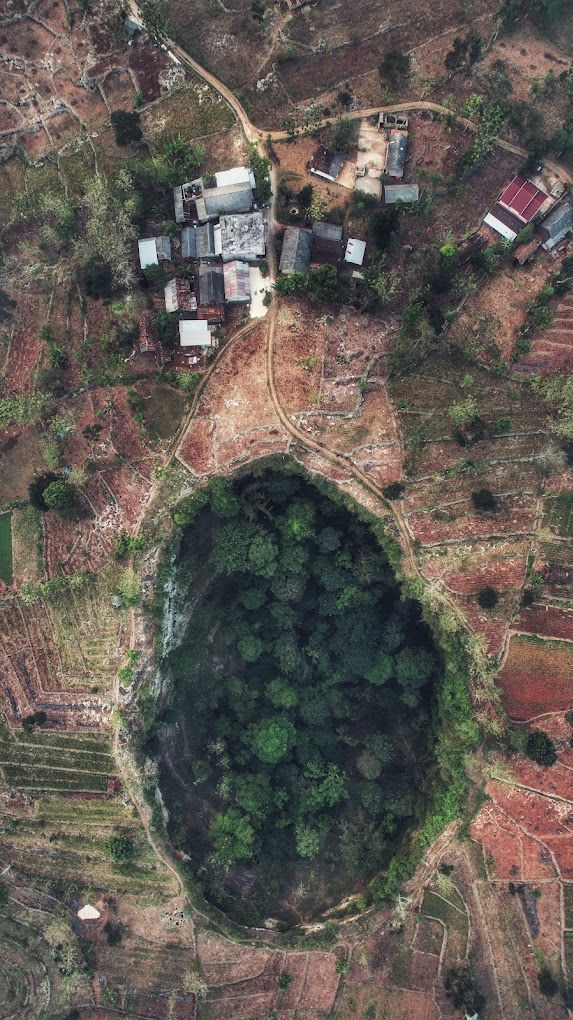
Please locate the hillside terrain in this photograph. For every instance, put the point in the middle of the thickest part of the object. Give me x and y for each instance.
(286, 611)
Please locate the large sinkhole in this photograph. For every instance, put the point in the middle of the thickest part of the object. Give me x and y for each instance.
(296, 737)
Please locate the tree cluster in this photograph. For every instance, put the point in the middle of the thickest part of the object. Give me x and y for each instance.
(308, 716)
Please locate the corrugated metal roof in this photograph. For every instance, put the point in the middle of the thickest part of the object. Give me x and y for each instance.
(189, 243)
(355, 249)
(211, 286)
(559, 221)
(171, 302)
(503, 222)
(237, 281)
(147, 252)
(205, 241)
(236, 175)
(178, 204)
(396, 158)
(194, 333)
(523, 198)
(329, 231)
(236, 199)
(401, 193)
(295, 254)
(163, 245)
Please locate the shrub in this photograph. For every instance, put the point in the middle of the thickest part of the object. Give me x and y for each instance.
(540, 748)
(120, 847)
(487, 598)
(394, 69)
(126, 127)
(484, 501)
(58, 495)
(394, 490)
(547, 983)
(284, 979)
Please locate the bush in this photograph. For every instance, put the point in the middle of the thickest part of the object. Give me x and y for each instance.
(37, 487)
(487, 598)
(58, 495)
(394, 490)
(394, 69)
(484, 501)
(126, 127)
(120, 847)
(547, 983)
(540, 748)
(284, 979)
(98, 278)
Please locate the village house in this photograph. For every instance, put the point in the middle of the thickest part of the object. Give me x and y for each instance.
(229, 191)
(326, 164)
(243, 236)
(395, 127)
(326, 243)
(521, 203)
(201, 242)
(296, 250)
(179, 296)
(195, 333)
(211, 285)
(237, 281)
(153, 250)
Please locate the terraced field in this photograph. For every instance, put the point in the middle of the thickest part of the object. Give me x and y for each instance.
(42, 762)
(60, 655)
(552, 350)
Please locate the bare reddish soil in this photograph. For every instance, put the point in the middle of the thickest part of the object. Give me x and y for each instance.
(537, 678)
(547, 621)
(248, 428)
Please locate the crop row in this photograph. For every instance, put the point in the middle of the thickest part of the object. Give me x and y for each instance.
(38, 778)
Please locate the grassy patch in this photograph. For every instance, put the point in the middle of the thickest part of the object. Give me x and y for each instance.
(191, 112)
(6, 548)
(559, 513)
(443, 909)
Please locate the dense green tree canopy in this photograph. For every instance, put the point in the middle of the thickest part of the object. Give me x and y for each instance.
(302, 700)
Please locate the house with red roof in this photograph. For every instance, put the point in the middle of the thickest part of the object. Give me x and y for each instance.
(521, 203)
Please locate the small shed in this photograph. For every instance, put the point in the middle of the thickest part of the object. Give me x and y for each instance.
(153, 250)
(195, 333)
(401, 193)
(147, 252)
(237, 281)
(355, 250)
(296, 250)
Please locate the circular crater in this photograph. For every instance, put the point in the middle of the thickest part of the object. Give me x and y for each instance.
(295, 731)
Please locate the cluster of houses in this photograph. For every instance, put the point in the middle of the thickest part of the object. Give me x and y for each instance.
(222, 235)
(541, 203)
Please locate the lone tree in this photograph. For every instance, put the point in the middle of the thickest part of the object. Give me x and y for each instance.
(484, 501)
(487, 597)
(59, 495)
(394, 490)
(540, 748)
